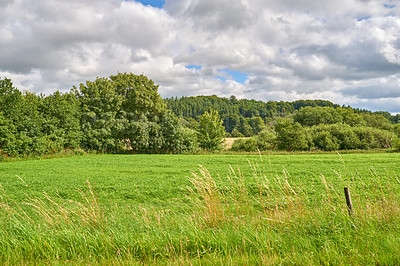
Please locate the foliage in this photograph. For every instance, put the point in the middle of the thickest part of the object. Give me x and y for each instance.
(32, 124)
(310, 116)
(119, 113)
(377, 121)
(343, 136)
(211, 131)
(229, 107)
(246, 116)
(265, 140)
(242, 117)
(291, 135)
(126, 111)
(236, 133)
(245, 144)
(100, 105)
(62, 116)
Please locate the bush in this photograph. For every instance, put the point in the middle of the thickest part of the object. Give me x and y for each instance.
(187, 139)
(266, 139)
(245, 144)
(325, 141)
(291, 136)
(345, 137)
(236, 133)
(211, 131)
(397, 145)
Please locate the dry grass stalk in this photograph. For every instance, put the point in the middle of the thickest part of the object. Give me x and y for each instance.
(209, 197)
(53, 211)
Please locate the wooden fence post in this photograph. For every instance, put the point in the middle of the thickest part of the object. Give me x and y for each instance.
(348, 200)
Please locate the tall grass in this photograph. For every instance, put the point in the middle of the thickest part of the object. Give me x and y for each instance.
(244, 218)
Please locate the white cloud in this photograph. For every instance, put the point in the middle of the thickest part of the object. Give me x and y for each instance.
(344, 51)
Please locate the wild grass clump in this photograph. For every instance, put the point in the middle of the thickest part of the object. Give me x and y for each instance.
(250, 217)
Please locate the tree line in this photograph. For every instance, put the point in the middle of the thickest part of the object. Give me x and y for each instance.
(125, 113)
(298, 125)
(245, 118)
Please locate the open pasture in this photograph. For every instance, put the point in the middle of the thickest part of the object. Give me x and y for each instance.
(149, 179)
(257, 209)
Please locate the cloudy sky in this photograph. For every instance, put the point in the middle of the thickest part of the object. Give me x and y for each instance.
(345, 51)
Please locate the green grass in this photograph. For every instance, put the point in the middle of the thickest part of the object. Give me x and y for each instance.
(236, 209)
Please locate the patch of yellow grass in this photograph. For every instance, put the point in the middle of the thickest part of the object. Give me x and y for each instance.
(228, 142)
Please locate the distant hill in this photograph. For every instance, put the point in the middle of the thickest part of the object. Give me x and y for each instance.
(197, 105)
(246, 115)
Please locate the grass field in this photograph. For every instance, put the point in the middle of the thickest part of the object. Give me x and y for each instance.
(233, 209)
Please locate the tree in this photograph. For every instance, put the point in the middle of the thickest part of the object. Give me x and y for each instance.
(126, 111)
(231, 122)
(62, 119)
(211, 131)
(377, 121)
(139, 95)
(245, 128)
(8, 132)
(236, 133)
(291, 136)
(100, 105)
(266, 139)
(325, 141)
(257, 123)
(11, 100)
(310, 116)
(350, 117)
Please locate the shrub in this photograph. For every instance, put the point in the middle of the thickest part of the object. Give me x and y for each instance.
(343, 136)
(291, 136)
(245, 144)
(325, 141)
(211, 131)
(266, 139)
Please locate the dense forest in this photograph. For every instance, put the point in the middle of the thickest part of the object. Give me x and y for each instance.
(125, 113)
(247, 117)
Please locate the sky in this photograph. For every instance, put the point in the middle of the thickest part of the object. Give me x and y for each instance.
(344, 51)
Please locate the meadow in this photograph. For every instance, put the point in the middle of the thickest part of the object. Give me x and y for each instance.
(201, 209)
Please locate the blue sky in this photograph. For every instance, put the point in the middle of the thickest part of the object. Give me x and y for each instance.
(154, 3)
(227, 74)
(281, 50)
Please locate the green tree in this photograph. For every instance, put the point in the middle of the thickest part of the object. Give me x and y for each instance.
(266, 139)
(248, 144)
(257, 123)
(325, 141)
(236, 133)
(245, 128)
(350, 117)
(291, 136)
(377, 121)
(125, 111)
(310, 116)
(139, 95)
(8, 132)
(211, 131)
(100, 105)
(11, 102)
(62, 119)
